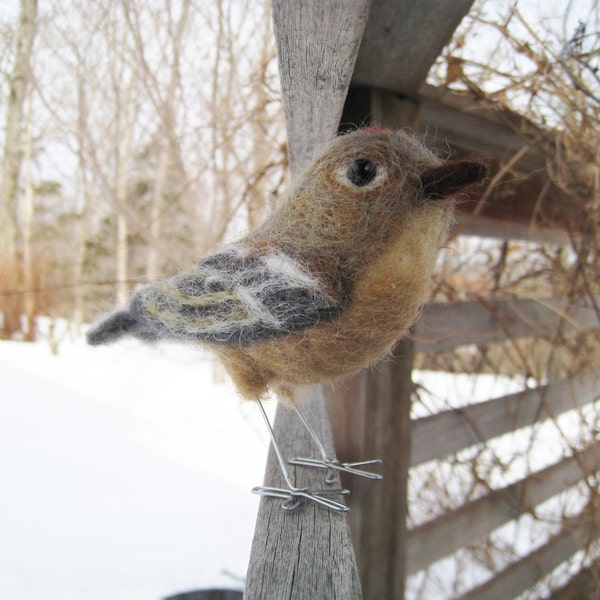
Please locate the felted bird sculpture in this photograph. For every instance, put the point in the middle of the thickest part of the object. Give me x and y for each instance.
(327, 284)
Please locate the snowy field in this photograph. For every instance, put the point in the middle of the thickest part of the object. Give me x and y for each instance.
(127, 470)
(126, 473)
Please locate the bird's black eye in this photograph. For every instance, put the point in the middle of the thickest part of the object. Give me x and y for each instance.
(361, 172)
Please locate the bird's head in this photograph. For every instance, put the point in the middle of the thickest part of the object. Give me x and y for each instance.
(367, 187)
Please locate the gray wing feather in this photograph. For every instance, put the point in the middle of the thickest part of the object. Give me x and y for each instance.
(227, 298)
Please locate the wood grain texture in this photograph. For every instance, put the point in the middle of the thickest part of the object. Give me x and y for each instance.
(444, 327)
(305, 553)
(370, 414)
(461, 527)
(449, 431)
(403, 39)
(317, 44)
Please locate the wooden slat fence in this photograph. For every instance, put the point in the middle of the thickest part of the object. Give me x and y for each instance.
(452, 430)
(486, 321)
(446, 433)
(480, 517)
(526, 572)
(358, 410)
(308, 553)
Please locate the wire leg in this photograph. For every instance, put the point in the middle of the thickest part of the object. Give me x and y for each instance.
(293, 497)
(312, 432)
(282, 464)
(330, 464)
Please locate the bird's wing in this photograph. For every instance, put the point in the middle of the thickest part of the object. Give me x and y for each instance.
(230, 297)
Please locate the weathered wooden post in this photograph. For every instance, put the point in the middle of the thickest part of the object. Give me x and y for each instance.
(307, 553)
(375, 421)
(370, 414)
(371, 417)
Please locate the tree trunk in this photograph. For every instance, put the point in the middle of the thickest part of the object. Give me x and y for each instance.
(83, 204)
(29, 295)
(152, 267)
(122, 258)
(166, 106)
(19, 82)
(258, 127)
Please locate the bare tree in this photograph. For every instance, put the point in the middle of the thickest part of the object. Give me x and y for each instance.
(20, 81)
(163, 97)
(28, 218)
(163, 130)
(99, 60)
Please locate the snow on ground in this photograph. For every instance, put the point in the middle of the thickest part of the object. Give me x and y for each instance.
(125, 473)
(126, 470)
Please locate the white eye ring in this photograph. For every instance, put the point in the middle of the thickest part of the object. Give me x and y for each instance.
(341, 174)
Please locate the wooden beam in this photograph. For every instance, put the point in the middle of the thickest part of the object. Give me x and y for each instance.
(452, 430)
(371, 417)
(317, 44)
(575, 534)
(305, 553)
(488, 227)
(460, 120)
(459, 124)
(402, 40)
(448, 533)
(523, 204)
(444, 327)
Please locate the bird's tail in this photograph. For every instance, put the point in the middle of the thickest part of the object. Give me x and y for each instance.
(112, 328)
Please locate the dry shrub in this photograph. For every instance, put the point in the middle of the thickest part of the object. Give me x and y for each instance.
(552, 78)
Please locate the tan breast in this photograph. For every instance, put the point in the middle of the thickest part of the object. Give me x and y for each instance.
(385, 301)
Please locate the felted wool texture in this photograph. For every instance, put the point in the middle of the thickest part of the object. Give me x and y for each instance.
(230, 297)
(329, 283)
(385, 301)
